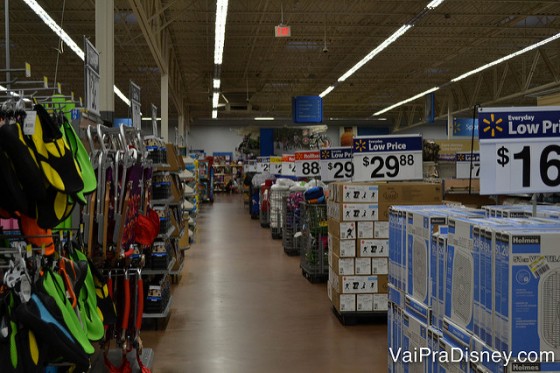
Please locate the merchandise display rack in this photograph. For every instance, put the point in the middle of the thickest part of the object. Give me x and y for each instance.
(314, 251)
(291, 240)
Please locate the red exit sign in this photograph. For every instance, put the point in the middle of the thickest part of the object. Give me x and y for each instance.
(282, 31)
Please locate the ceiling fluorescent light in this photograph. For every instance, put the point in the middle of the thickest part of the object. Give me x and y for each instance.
(406, 101)
(215, 100)
(326, 91)
(214, 114)
(66, 38)
(264, 118)
(390, 40)
(150, 118)
(434, 4)
(505, 58)
(220, 30)
(216, 83)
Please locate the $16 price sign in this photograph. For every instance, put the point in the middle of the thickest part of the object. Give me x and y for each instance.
(387, 158)
(307, 163)
(336, 164)
(519, 150)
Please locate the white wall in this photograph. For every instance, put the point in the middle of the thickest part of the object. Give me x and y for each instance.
(435, 131)
(214, 138)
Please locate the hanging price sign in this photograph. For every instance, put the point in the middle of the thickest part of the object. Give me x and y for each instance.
(307, 163)
(519, 150)
(91, 77)
(387, 158)
(263, 164)
(250, 166)
(336, 164)
(463, 165)
(276, 165)
(288, 164)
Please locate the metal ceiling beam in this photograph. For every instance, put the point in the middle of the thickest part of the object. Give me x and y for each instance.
(159, 41)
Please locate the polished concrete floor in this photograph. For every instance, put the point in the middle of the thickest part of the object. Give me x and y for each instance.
(242, 305)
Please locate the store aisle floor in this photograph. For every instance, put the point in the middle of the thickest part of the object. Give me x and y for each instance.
(243, 305)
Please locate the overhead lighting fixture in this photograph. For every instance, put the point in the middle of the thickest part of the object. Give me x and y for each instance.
(387, 42)
(149, 118)
(390, 40)
(214, 114)
(216, 83)
(506, 58)
(406, 101)
(326, 91)
(220, 30)
(215, 100)
(475, 71)
(66, 39)
(434, 4)
(264, 118)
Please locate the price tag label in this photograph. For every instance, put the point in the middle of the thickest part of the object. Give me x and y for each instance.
(29, 123)
(289, 165)
(307, 163)
(463, 165)
(263, 164)
(519, 150)
(336, 164)
(387, 158)
(276, 165)
(251, 166)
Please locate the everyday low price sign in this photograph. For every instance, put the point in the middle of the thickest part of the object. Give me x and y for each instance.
(276, 165)
(387, 158)
(307, 163)
(463, 165)
(263, 164)
(288, 164)
(519, 150)
(336, 164)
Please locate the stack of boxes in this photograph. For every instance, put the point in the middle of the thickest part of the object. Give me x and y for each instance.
(358, 240)
(464, 280)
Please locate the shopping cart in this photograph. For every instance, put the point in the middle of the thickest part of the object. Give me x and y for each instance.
(314, 250)
(277, 193)
(291, 232)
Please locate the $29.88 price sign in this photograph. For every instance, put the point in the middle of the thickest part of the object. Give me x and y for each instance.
(336, 164)
(519, 150)
(307, 163)
(387, 158)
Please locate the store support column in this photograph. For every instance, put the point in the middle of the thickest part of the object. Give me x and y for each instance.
(165, 107)
(105, 44)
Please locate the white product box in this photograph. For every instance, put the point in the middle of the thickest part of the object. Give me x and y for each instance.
(396, 296)
(459, 286)
(365, 229)
(456, 338)
(342, 248)
(329, 290)
(438, 306)
(342, 266)
(363, 266)
(433, 344)
(527, 285)
(414, 338)
(356, 192)
(380, 302)
(379, 266)
(373, 248)
(364, 302)
(344, 302)
(342, 230)
(359, 284)
(352, 211)
(381, 229)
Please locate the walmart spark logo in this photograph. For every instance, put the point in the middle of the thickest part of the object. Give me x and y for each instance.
(492, 125)
(359, 145)
(325, 154)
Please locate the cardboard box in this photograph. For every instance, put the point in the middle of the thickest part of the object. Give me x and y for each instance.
(364, 302)
(379, 266)
(342, 266)
(342, 248)
(363, 266)
(373, 248)
(365, 229)
(411, 193)
(380, 302)
(352, 211)
(342, 230)
(359, 284)
(414, 338)
(343, 302)
(380, 229)
(366, 192)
